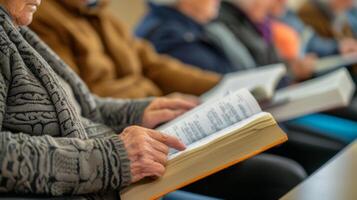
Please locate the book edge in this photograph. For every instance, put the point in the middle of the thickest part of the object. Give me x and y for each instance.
(278, 142)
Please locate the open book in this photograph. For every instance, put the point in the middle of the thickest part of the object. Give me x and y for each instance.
(331, 63)
(335, 89)
(261, 82)
(320, 94)
(217, 134)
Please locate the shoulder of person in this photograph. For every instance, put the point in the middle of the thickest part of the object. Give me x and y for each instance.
(171, 31)
(307, 9)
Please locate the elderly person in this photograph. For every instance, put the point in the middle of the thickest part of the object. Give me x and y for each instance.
(311, 41)
(327, 17)
(177, 27)
(58, 139)
(99, 48)
(250, 22)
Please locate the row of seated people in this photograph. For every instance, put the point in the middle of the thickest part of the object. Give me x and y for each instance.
(176, 33)
(115, 64)
(250, 34)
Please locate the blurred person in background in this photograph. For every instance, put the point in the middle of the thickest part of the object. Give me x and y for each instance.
(251, 23)
(99, 48)
(178, 27)
(310, 41)
(328, 17)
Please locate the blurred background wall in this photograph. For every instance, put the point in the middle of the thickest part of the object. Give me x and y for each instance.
(130, 11)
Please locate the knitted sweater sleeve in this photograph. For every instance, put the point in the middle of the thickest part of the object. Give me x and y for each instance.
(120, 113)
(58, 166)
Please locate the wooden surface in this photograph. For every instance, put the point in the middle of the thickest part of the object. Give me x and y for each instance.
(337, 180)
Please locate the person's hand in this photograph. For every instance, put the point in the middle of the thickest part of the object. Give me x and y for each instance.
(148, 151)
(347, 46)
(162, 110)
(186, 97)
(303, 68)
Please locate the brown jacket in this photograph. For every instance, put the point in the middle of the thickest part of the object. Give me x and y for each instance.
(320, 19)
(108, 59)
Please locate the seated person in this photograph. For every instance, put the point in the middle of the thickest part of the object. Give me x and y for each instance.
(327, 17)
(177, 30)
(311, 41)
(251, 28)
(111, 62)
(250, 22)
(58, 139)
(254, 15)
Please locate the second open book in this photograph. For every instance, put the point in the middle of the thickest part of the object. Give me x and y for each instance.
(335, 89)
(218, 134)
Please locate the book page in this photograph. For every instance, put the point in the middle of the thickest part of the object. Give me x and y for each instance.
(212, 117)
(311, 87)
(331, 63)
(320, 94)
(262, 79)
(220, 133)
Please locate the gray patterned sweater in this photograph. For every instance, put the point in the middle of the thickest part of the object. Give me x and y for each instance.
(46, 147)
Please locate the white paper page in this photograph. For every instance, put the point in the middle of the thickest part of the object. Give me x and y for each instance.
(212, 117)
(218, 134)
(265, 78)
(311, 87)
(334, 62)
(327, 92)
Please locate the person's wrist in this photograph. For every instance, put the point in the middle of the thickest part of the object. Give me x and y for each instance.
(124, 166)
(141, 108)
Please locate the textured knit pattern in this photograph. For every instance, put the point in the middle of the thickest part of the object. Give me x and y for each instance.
(46, 147)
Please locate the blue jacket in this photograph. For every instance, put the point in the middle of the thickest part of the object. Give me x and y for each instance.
(179, 36)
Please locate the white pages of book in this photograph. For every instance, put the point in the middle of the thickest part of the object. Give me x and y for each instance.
(261, 81)
(330, 63)
(210, 119)
(320, 94)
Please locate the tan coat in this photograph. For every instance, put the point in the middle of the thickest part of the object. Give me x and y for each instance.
(113, 63)
(313, 16)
